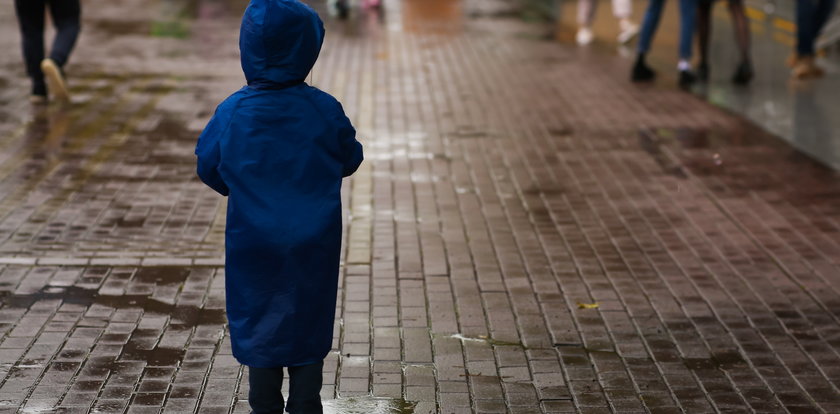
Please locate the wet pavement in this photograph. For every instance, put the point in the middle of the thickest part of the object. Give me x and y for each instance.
(798, 111)
(530, 233)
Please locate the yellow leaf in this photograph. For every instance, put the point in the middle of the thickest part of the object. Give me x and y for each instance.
(587, 305)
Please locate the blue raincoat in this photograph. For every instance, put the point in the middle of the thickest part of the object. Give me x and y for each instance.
(278, 148)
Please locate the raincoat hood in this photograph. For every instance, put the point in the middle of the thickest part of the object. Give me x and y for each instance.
(279, 42)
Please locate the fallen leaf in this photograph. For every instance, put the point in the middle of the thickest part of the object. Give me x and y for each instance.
(587, 305)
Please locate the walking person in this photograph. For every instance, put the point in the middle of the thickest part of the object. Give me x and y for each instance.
(641, 72)
(811, 17)
(66, 16)
(744, 72)
(622, 9)
(279, 148)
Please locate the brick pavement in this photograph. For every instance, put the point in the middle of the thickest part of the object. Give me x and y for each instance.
(511, 185)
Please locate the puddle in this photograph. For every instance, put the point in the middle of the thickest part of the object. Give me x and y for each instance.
(651, 142)
(368, 405)
(486, 340)
(723, 361)
(162, 275)
(184, 315)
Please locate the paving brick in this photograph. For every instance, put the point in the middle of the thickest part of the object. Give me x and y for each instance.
(508, 183)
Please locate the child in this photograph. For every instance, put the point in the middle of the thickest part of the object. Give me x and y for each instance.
(279, 149)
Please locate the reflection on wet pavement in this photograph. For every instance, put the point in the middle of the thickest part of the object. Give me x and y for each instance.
(368, 406)
(528, 232)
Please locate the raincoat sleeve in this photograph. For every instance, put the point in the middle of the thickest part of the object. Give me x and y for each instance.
(208, 150)
(351, 148)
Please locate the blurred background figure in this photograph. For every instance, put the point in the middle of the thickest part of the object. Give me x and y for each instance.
(341, 7)
(688, 10)
(622, 9)
(811, 17)
(744, 72)
(66, 19)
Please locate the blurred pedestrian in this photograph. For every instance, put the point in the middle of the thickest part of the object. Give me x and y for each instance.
(279, 148)
(811, 17)
(688, 10)
(744, 72)
(66, 16)
(342, 7)
(622, 9)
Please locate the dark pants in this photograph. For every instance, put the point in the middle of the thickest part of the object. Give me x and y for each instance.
(304, 389)
(31, 15)
(811, 16)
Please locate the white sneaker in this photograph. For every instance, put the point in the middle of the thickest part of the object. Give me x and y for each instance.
(584, 36)
(628, 32)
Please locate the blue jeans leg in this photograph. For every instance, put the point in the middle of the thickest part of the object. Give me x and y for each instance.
(688, 19)
(805, 27)
(66, 16)
(811, 16)
(650, 24)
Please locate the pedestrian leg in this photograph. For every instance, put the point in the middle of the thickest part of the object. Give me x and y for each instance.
(641, 71)
(622, 10)
(30, 15)
(585, 16)
(305, 389)
(688, 19)
(810, 16)
(704, 29)
(744, 72)
(66, 15)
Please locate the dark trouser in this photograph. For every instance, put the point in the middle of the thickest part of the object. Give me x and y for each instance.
(304, 389)
(811, 16)
(66, 18)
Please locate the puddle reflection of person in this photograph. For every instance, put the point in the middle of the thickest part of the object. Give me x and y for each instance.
(47, 130)
(31, 15)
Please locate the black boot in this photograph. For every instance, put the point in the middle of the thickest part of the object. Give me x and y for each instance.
(641, 71)
(687, 78)
(703, 72)
(744, 74)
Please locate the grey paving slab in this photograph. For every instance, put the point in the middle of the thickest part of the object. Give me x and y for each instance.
(529, 233)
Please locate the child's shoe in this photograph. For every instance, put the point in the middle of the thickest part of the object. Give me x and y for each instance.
(55, 79)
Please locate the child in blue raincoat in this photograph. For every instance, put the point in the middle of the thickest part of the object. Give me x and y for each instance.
(279, 148)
